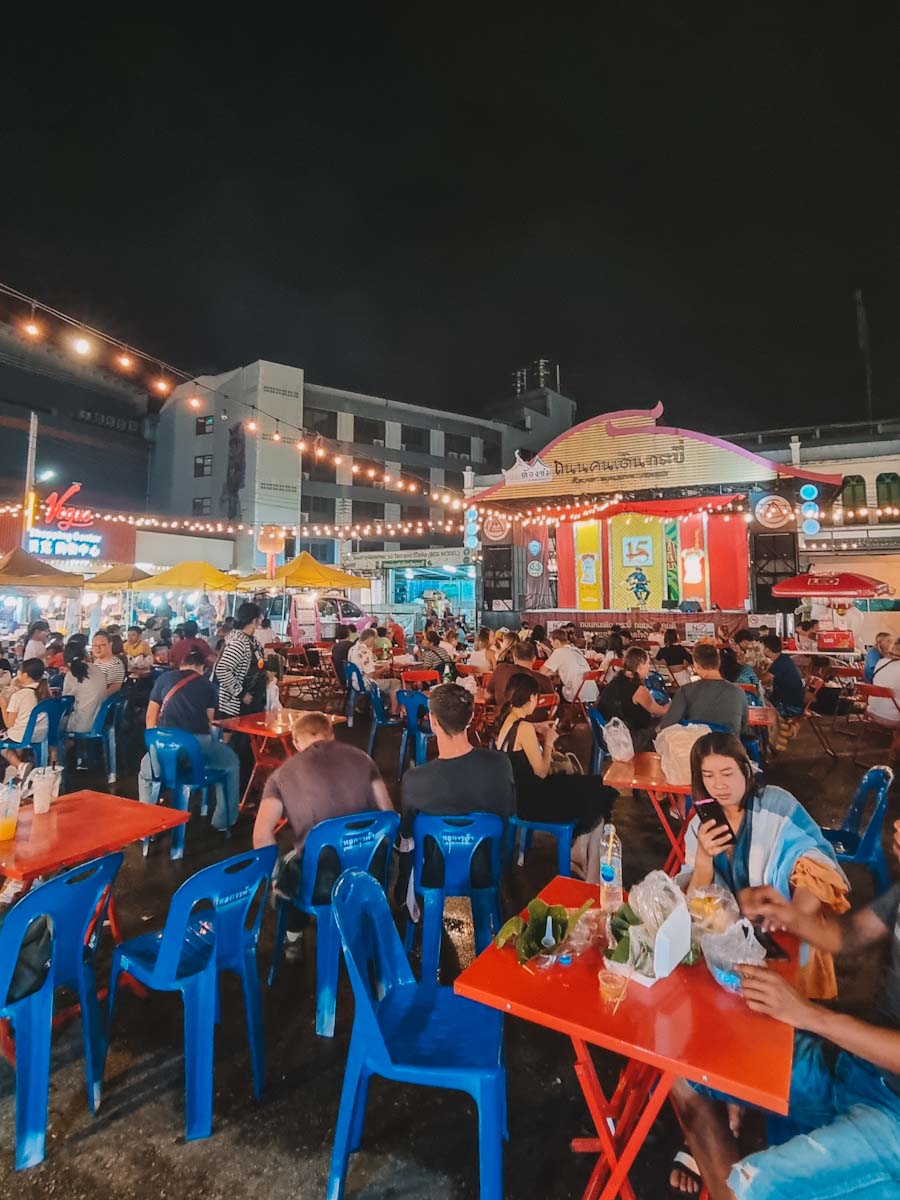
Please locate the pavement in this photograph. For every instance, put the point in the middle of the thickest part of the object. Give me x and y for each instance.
(417, 1141)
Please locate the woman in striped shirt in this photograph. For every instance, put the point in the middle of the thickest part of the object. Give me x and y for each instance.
(240, 670)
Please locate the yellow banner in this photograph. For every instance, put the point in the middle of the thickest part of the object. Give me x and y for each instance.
(637, 563)
(588, 570)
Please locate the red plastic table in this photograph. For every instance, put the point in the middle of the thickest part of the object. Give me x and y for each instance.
(79, 826)
(262, 728)
(645, 772)
(684, 1026)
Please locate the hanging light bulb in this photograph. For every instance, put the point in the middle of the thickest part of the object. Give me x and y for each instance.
(81, 346)
(194, 401)
(276, 436)
(161, 386)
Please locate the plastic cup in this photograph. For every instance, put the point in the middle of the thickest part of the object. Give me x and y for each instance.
(612, 987)
(42, 790)
(9, 817)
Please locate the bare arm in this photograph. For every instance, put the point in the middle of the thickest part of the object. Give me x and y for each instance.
(675, 712)
(152, 714)
(382, 799)
(824, 930)
(269, 813)
(527, 740)
(645, 700)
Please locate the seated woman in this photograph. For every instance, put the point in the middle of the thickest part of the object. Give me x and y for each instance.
(628, 697)
(779, 844)
(435, 655)
(541, 795)
(673, 654)
(542, 648)
(86, 682)
(483, 656)
(506, 641)
(734, 670)
(882, 709)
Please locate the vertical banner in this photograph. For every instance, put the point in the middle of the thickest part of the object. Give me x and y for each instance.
(537, 577)
(670, 541)
(566, 596)
(693, 560)
(588, 589)
(637, 563)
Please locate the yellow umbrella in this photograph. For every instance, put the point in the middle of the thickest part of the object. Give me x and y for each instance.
(305, 572)
(21, 570)
(189, 577)
(117, 579)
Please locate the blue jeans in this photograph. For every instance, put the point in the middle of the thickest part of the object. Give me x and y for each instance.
(216, 754)
(853, 1148)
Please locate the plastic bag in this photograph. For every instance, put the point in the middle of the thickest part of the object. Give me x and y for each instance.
(726, 951)
(654, 898)
(713, 909)
(467, 682)
(617, 736)
(674, 745)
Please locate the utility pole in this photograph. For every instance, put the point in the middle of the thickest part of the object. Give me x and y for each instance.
(862, 337)
(29, 500)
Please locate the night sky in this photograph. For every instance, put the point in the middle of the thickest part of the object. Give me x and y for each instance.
(675, 201)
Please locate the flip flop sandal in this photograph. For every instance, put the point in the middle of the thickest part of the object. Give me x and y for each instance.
(688, 1164)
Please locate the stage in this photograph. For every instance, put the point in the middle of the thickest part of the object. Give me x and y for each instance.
(690, 626)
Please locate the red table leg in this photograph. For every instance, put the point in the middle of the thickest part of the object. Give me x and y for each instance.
(622, 1122)
(660, 800)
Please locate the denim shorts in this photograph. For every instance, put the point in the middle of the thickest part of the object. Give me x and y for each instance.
(853, 1144)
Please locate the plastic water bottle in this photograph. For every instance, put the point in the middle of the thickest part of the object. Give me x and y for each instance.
(611, 895)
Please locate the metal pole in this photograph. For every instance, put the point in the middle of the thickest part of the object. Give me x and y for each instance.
(27, 507)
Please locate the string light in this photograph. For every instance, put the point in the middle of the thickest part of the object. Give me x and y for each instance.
(32, 328)
(162, 386)
(81, 346)
(125, 361)
(195, 402)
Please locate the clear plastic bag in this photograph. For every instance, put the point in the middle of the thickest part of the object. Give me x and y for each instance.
(654, 898)
(724, 952)
(674, 745)
(713, 909)
(617, 736)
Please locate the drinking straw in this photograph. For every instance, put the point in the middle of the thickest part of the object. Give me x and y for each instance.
(622, 995)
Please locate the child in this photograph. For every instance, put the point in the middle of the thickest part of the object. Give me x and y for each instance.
(29, 689)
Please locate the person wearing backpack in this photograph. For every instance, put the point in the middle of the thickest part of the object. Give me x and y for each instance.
(183, 699)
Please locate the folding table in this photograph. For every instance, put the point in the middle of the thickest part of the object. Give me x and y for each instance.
(684, 1026)
(262, 728)
(644, 772)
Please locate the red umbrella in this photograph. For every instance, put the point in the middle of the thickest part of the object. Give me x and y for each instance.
(839, 585)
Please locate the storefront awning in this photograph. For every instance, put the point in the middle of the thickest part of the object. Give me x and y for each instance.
(21, 571)
(118, 579)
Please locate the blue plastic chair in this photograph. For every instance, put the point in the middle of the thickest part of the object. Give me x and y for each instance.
(356, 687)
(456, 838)
(599, 751)
(851, 843)
(103, 732)
(355, 840)
(53, 710)
(411, 1033)
(520, 833)
(75, 904)
(415, 704)
(188, 955)
(178, 766)
(380, 717)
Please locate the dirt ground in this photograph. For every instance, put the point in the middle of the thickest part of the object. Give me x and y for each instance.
(417, 1142)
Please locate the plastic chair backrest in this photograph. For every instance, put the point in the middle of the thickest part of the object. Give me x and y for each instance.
(876, 783)
(373, 952)
(716, 728)
(414, 704)
(230, 886)
(71, 901)
(166, 747)
(420, 676)
(106, 713)
(598, 721)
(356, 839)
(353, 677)
(57, 710)
(457, 838)
(465, 669)
(45, 708)
(378, 709)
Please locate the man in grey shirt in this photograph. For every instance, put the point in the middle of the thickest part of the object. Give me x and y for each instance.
(711, 699)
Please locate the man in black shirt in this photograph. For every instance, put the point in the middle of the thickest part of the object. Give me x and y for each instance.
(462, 779)
(340, 650)
(184, 700)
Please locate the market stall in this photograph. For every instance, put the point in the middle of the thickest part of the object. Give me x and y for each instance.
(30, 588)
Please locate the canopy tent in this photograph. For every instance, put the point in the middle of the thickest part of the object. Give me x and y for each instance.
(22, 571)
(841, 585)
(305, 572)
(188, 577)
(117, 579)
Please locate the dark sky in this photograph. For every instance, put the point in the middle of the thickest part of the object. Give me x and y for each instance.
(674, 201)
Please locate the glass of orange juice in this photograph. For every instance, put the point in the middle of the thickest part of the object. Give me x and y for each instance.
(9, 815)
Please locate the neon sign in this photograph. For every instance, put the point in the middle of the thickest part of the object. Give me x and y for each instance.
(58, 512)
(54, 543)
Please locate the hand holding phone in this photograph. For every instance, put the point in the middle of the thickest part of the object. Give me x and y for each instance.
(711, 810)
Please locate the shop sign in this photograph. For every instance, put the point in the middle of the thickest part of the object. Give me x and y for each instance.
(56, 543)
(535, 568)
(772, 511)
(59, 512)
(495, 528)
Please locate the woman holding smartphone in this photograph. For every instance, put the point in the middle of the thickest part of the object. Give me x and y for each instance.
(746, 834)
(541, 795)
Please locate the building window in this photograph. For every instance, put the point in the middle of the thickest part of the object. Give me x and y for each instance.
(887, 490)
(320, 421)
(367, 432)
(457, 446)
(204, 425)
(321, 509)
(366, 511)
(853, 492)
(453, 481)
(202, 506)
(202, 465)
(414, 437)
(492, 456)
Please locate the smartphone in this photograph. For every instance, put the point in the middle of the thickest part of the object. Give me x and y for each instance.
(711, 810)
(768, 943)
